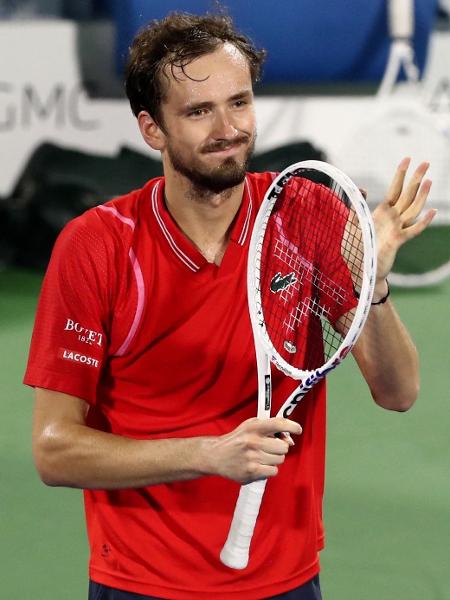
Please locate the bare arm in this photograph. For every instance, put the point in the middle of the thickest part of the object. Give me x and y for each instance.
(69, 453)
(388, 359)
(385, 351)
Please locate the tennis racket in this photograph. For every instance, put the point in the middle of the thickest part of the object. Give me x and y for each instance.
(401, 123)
(311, 272)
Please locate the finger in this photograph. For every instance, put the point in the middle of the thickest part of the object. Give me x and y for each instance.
(278, 425)
(395, 189)
(272, 460)
(414, 230)
(264, 472)
(271, 445)
(286, 437)
(259, 471)
(363, 193)
(416, 207)
(408, 195)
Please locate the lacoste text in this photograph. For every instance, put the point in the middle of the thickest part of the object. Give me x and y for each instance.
(79, 358)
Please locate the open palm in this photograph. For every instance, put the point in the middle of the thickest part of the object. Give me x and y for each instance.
(395, 218)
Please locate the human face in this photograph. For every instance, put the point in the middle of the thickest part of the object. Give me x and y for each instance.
(209, 120)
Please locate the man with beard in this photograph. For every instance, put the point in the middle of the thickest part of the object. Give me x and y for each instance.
(142, 354)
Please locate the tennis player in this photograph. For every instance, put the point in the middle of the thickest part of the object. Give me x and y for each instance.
(142, 354)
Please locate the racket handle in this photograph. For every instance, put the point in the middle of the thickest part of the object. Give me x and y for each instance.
(235, 552)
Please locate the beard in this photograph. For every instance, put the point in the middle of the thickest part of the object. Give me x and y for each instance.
(206, 180)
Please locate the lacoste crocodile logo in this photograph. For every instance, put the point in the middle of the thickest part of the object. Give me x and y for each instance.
(279, 283)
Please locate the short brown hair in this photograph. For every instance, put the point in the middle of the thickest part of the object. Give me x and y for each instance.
(177, 40)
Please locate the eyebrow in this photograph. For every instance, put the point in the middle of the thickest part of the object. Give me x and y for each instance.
(199, 105)
(243, 94)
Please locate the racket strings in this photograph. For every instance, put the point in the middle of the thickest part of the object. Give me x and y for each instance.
(352, 249)
(307, 273)
(310, 260)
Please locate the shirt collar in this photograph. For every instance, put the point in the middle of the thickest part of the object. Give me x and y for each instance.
(179, 244)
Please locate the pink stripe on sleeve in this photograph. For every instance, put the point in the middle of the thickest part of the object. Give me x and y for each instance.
(117, 214)
(140, 303)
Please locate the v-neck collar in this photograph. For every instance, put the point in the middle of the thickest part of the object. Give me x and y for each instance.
(177, 242)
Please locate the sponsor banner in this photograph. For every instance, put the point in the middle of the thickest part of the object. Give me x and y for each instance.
(42, 99)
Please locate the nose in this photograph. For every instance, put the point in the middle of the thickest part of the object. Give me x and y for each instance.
(224, 128)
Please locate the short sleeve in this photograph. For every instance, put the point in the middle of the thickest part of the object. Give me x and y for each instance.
(69, 344)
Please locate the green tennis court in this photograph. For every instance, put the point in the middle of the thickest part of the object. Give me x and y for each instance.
(388, 484)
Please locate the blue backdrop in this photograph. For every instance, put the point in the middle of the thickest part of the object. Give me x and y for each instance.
(307, 40)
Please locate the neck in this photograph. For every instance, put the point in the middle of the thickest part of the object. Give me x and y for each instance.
(203, 216)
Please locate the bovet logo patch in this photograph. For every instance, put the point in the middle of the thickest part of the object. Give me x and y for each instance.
(84, 334)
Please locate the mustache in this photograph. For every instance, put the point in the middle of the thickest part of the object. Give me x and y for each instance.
(225, 144)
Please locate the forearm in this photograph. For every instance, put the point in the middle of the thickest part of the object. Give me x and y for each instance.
(78, 456)
(68, 452)
(388, 358)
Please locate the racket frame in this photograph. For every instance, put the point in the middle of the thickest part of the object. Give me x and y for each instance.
(235, 553)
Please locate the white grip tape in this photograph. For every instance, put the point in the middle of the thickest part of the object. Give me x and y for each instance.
(236, 549)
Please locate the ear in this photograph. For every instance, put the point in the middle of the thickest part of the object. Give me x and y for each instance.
(150, 131)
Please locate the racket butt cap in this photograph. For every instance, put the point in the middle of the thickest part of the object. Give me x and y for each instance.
(234, 558)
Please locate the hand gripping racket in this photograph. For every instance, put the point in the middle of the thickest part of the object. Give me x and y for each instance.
(310, 278)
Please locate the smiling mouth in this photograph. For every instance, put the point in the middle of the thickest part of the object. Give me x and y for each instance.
(225, 147)
(226, 151)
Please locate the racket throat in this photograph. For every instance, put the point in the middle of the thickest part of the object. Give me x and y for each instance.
(293, 400)
(299, 393)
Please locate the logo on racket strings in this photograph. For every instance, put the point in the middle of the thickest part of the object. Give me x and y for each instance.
(280, 283)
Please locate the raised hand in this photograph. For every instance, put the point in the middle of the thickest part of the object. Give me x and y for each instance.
(396, 217)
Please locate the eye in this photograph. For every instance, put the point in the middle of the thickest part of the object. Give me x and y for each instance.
(198, 112)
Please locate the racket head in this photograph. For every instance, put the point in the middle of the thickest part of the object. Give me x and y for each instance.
(300, 291)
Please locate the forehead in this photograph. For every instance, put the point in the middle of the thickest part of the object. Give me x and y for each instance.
(213, 76)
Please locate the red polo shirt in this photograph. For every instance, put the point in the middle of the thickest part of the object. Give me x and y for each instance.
(158, 341)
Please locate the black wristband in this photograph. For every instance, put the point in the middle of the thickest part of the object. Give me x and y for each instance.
(381, 300)
(384, 298)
